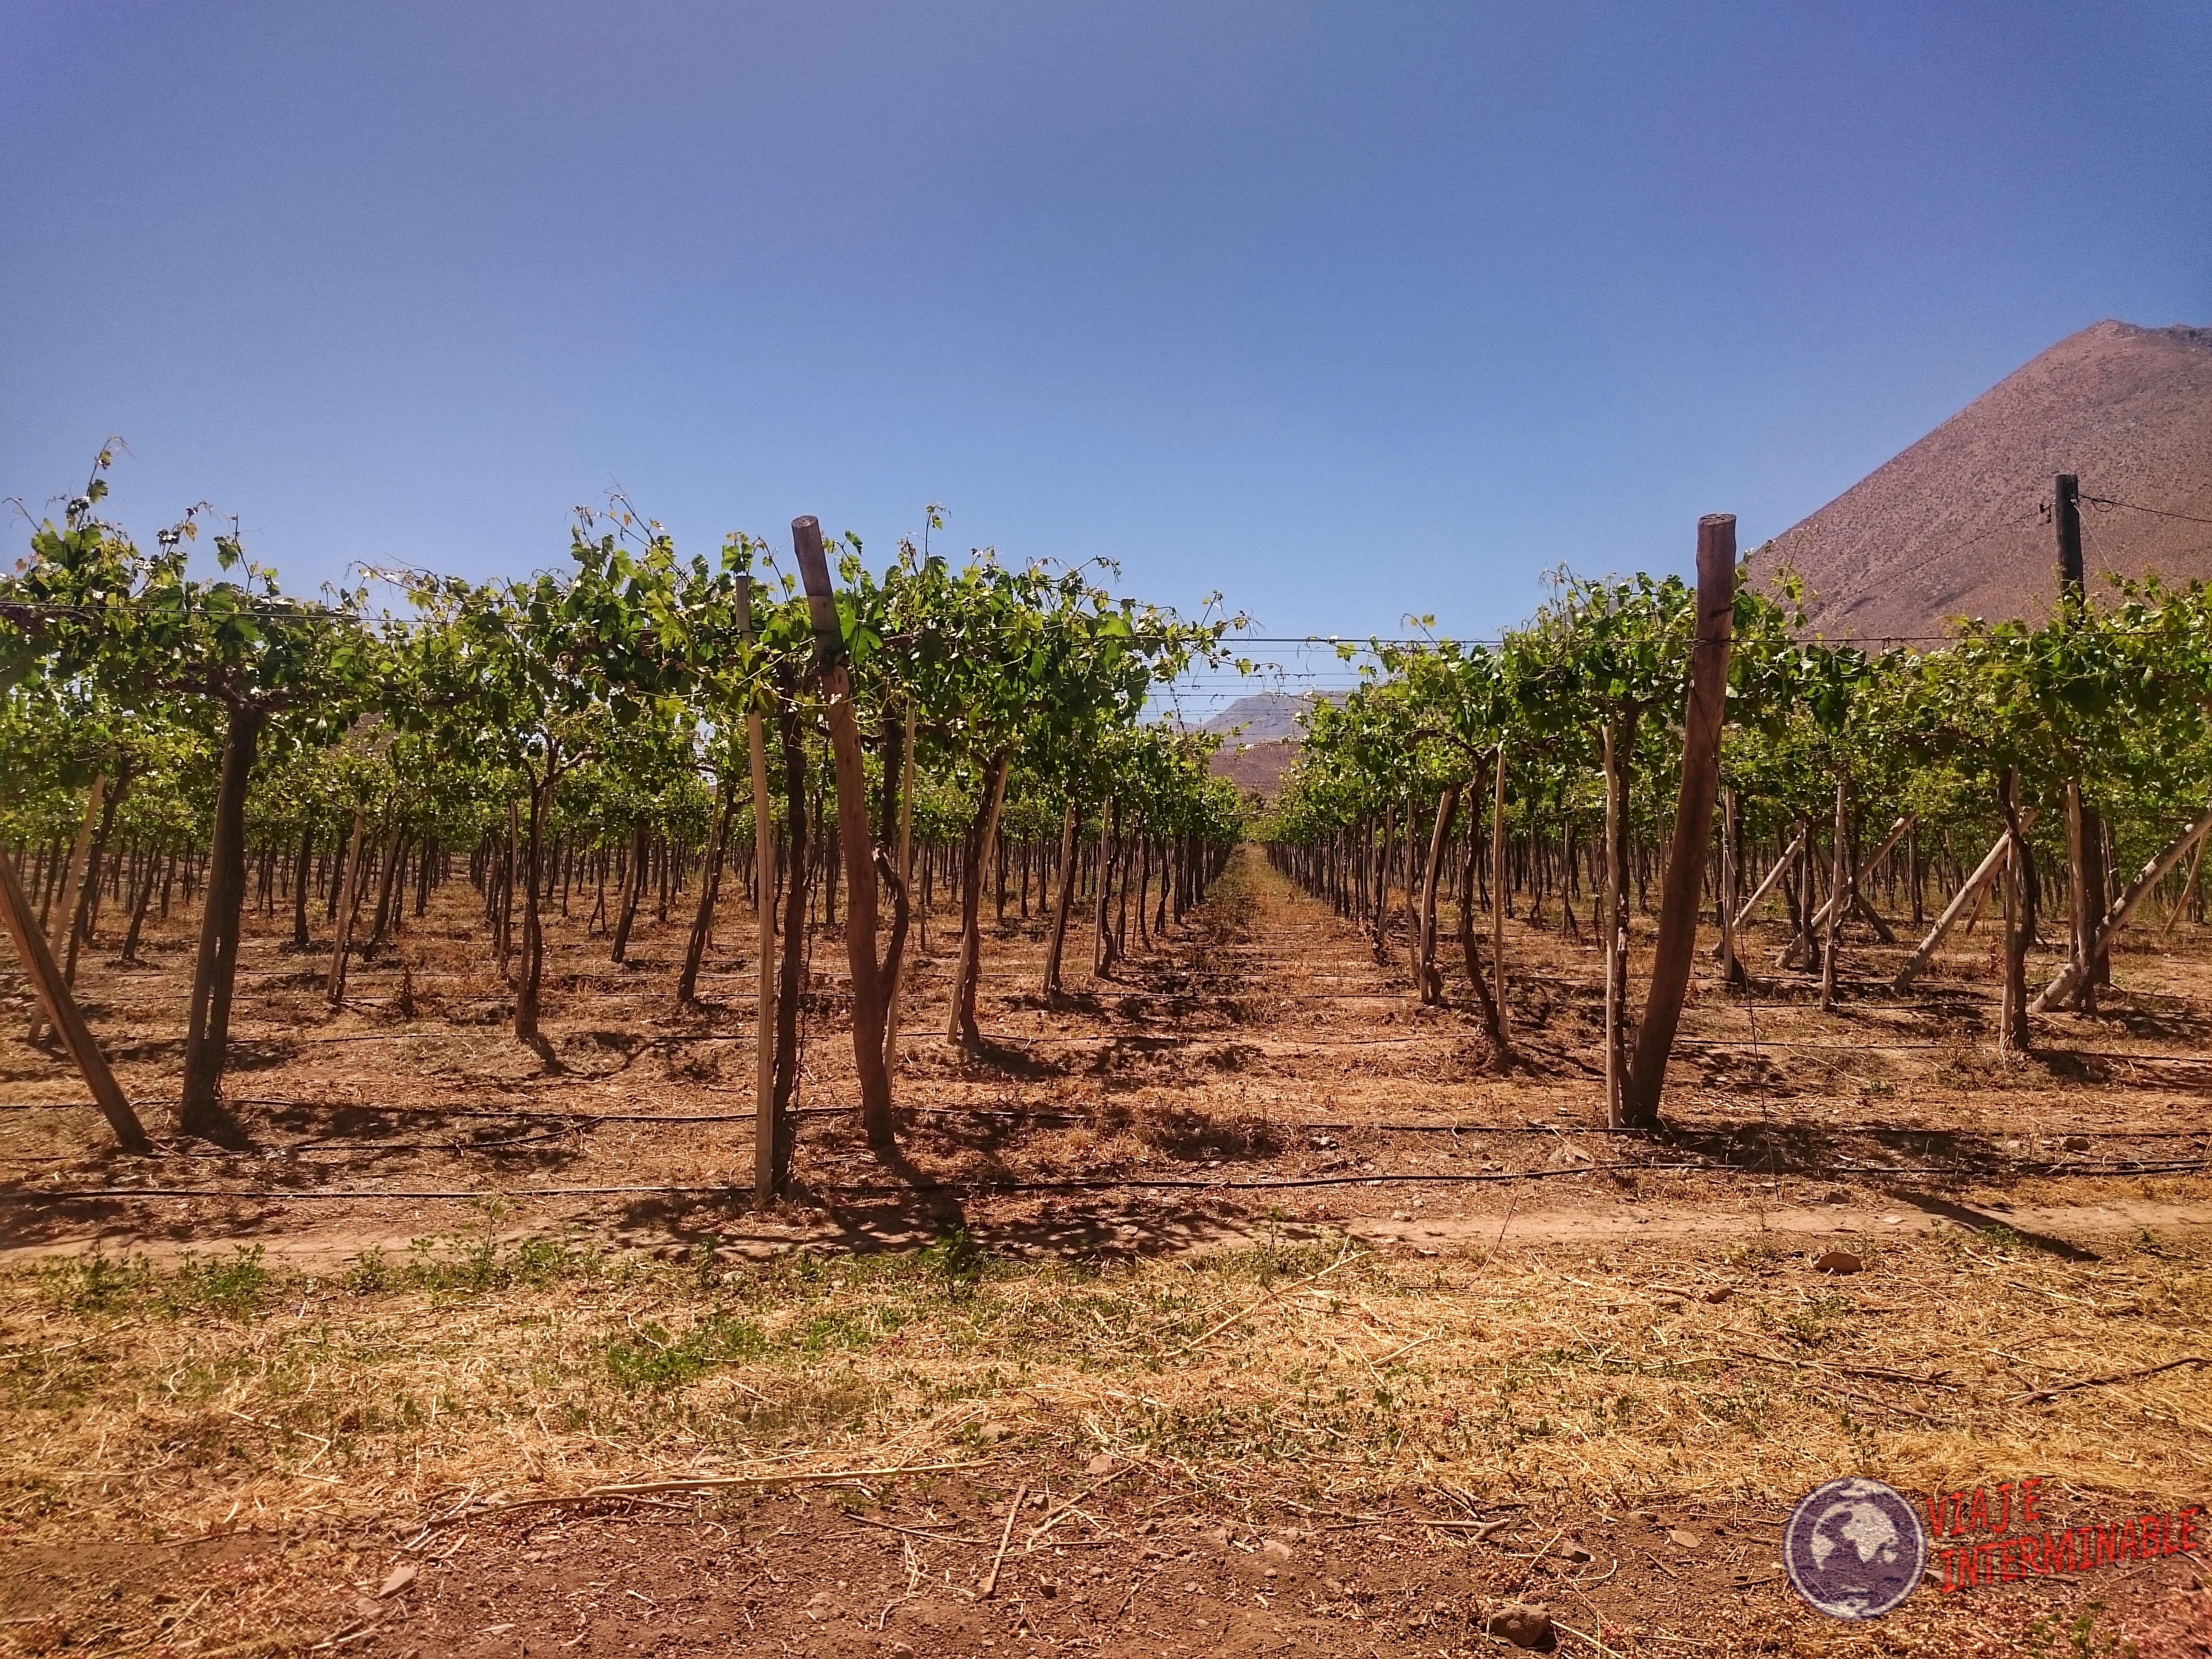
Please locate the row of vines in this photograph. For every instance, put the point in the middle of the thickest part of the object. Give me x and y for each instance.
(636, 729)
(2065, 766)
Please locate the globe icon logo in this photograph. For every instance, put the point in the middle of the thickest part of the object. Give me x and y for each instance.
(1854, 1548)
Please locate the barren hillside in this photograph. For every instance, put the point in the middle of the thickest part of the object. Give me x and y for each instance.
(1955, 525)
(1255, 766)
(1261, 735)
(1262, 717)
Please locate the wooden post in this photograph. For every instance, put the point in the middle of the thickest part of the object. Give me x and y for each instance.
(858, 846)
(1840, 888)
(1056, 945)
(1855, 893)
(764, 888)
(2082, 906)
(1966, 895)
(2115, 917)
(1427, 981)
(895, 992)
(1497, 888)
(335, 991)
(710, 890)
(961, 1029)
(2083, 875)
(1383, 878)
(62, 918)
(1684, 878)
(1731, 967)
(1612, 923)
(63, 1014)
(2012, 1033)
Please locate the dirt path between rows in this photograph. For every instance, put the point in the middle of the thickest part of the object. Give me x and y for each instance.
(2062, 1228)
(1265, 1062)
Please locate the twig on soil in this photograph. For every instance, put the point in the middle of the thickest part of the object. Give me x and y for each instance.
(1836, 1387)
(1282, 1291)
(2034, 1396)
(1879, 1375)
(1481, 1530)
(1512, 1205)
(637, 1491)
(991, 1583)
(1407, 1348)
(1580, 1635)
(1052, 1519)
(913, 1532)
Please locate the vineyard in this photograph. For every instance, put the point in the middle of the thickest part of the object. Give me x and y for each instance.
(809, 1058)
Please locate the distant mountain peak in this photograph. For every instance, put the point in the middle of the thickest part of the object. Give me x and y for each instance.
(1954, 525)
(1262, 717)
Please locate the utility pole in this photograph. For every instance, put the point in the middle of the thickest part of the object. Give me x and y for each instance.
(2066, 515)
(2084, 836)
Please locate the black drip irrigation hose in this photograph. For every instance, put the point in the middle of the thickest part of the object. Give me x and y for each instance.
(1227, 1033)
(572, 1119)
(1103, 1183)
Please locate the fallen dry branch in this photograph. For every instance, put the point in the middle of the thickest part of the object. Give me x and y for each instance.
(915, 1532)
(991, 1584)
(641, 1491)
(1052, 1519)
(2035, 1395)
(1832, 1387)
(1215, 1330)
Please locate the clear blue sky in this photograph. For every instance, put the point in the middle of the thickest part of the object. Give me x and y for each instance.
(1348, 311)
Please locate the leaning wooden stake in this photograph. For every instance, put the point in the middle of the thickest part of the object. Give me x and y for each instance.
(1684, 881)
(63, 1014)
(857, 844)
(1984, 873)
(2123, 907)
(1782, 866)
(2188, 886)
(764, 1124)
(1856, 900)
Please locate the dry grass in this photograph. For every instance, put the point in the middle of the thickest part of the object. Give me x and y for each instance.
(168, 1403)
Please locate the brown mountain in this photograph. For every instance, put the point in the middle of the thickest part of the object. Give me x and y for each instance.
(1257, 766)
(1956, 526)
